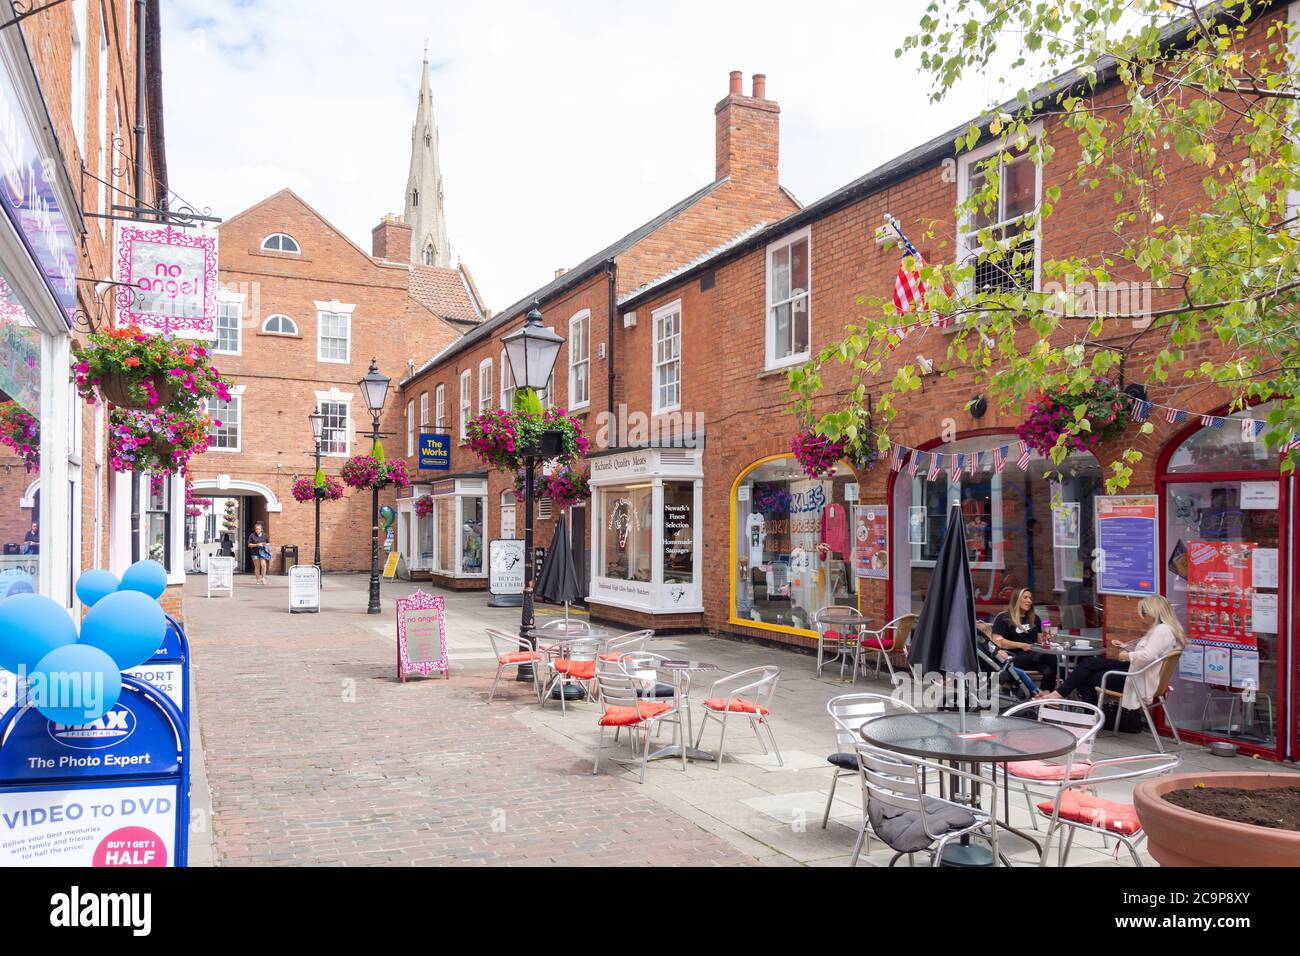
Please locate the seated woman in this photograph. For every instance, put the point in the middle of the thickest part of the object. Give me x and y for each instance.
(1016, 631)
(1165, 634)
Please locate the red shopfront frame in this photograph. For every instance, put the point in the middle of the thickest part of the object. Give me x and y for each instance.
(1285, 729)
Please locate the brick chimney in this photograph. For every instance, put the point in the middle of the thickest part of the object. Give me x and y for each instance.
(391, 239)
(748, 134)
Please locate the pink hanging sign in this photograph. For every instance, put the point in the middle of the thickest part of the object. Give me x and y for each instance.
(421, 635)
(168, 279)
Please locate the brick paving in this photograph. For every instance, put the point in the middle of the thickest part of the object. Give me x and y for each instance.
(315, 754)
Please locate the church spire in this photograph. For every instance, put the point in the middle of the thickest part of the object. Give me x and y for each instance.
(424, 198)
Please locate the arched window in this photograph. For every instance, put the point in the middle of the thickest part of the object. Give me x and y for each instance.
(280, 242)
(280, 325)
(429, 255)
(415, 197)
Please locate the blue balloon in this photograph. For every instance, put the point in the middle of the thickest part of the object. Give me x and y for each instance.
(147, 577)
(95, 584)
(31, 625)
(74, 684)
(127, 626)
(16, 582)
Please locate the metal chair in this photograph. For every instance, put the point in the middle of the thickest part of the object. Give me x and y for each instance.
(839, 630)
(726, 696)
(1079, 807)
(624, 704)
(511, 650)
(893, 786)
(577, 667)
(883, 641)
(1168, 667)
(849, 712)
(1080, 718)
(616, 647)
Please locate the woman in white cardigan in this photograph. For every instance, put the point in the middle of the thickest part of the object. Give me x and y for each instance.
(1165, 635)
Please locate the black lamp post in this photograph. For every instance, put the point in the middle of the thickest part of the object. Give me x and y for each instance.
(374, 388)
(532, 351)
(317, 430)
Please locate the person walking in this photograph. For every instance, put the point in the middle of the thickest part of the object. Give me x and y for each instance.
(259, 549)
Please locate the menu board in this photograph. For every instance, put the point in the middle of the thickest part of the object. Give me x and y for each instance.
(1220, 599)
(221, 574)
(421, 635)
(1126, 539)
(871, 541)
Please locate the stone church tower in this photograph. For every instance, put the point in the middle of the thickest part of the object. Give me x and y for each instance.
(424, 208)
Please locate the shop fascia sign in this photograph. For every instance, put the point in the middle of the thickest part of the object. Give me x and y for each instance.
(167, 278)
(29, 197)
(622, 465)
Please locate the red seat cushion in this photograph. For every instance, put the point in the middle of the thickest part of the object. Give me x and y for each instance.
(880, 643)
(1042, 770)
(833, 635)
(614, 658)
(1094, 811)
(735, 705)
(626, 716)
(518, 657)
(578, 670)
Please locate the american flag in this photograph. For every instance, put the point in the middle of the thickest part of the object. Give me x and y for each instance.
(1251, 429)
(999, 458)
(1175, 416)
(896, 459)
(1023, 460)
(1141, 410)
(916, 463)
(974, 462)
(959, 464)
(936, 466)
(1292, 444)
(909, 290)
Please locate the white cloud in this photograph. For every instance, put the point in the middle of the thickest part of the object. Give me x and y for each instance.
(563, 126)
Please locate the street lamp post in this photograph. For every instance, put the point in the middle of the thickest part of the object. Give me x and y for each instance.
(532, 351)
(317, 430)
(374, 388)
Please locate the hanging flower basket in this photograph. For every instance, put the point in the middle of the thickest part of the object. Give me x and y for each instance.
(156, 442)
(324, 487)
(566, 486)
(366, 471)
(22, 432)
(1051, 416)
(503, 439)
(817, 455)
(194, 505)
(133, 369)
(424, 506)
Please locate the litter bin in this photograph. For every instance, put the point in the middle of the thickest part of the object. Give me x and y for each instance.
(288, 557)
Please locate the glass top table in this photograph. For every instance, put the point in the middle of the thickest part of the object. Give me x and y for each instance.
(968, 738)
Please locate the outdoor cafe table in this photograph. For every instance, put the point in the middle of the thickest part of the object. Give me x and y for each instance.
(563, 640)
(848, 623)
(1069, 653)
(976, 739)
(673, 670)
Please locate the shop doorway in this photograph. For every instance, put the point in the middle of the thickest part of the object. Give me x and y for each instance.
(223, 527)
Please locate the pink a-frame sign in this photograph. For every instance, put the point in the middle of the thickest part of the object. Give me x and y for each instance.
(421, 636)
(167, 279)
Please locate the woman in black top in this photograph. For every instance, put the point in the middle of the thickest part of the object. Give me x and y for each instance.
(1016, 631)
(259, 550)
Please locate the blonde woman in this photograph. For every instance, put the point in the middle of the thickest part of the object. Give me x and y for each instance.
(1164, 635)
(1015, 633)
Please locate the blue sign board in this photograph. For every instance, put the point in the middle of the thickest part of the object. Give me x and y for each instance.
(435, 451)
(1127, 532)
(29, 199)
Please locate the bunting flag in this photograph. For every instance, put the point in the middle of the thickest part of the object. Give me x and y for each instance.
(916, 463)
(958, 464)
(1141, 410)
(1023, 460)
(974, 462)
(897, 457)
(999, 458)
(936, 466)
(1292, 444)
(1175, 416)
(1251, 429)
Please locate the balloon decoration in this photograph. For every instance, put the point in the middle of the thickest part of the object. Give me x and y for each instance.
(76, 679)
(386, 517)
(96, 584)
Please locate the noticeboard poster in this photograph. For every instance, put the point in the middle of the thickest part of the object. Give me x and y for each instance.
(871, 541)
(1127, 538)
(1220, 599)
(506, 566)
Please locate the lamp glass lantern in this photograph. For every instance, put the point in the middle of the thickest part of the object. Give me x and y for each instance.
(374, 387)
(317, 424)
(532, 351)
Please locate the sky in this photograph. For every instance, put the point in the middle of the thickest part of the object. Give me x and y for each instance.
(563, 125)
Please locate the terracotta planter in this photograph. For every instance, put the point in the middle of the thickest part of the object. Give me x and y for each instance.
(1178, 837)
(116, 388)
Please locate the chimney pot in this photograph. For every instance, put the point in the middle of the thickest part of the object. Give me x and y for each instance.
(760, 86)
(737, 83)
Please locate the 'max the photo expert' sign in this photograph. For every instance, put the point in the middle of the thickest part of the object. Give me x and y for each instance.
(170, 279)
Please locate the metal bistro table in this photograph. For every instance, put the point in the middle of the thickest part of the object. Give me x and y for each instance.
(848, 623)
(1069, 653)
(564, 639)
(673, 670)
(974, 739)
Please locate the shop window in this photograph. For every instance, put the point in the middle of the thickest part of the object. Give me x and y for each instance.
(679, 532)
(424, 530)
(1226, 449)
(789, 300)
(20, 485)
(471, 551)
(793, 546)
(153, 539)
(629, 527)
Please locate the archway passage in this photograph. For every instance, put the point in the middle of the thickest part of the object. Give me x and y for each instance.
(223, 527)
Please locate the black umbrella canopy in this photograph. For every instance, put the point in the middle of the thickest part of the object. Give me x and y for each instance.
(557, 581)
(944, 638)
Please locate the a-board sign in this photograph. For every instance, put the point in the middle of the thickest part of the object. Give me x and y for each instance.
(221, 575)
(506, 566)
(390, 565)
(421, 635)
(304, 589)
(168, 669)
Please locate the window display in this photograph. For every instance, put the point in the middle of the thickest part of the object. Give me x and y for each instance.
(628, 527)
(20, 478)
(793, 547)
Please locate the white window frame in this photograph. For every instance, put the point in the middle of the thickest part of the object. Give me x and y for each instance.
(440, 407)
(410, 428)
(674, 307)
(485, 393)
(965, 233)
(507, 391)
(424, 409)
(279, 315)
(336, 397)
(769, 307)
(466, 403)
(101, 122)
(345, 314)
(579, 359)
(281, 236)
(237, 401)
(238, 307)
(80, 75)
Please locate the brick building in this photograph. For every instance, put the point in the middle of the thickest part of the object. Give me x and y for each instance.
(471, 375)
(81, 137)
